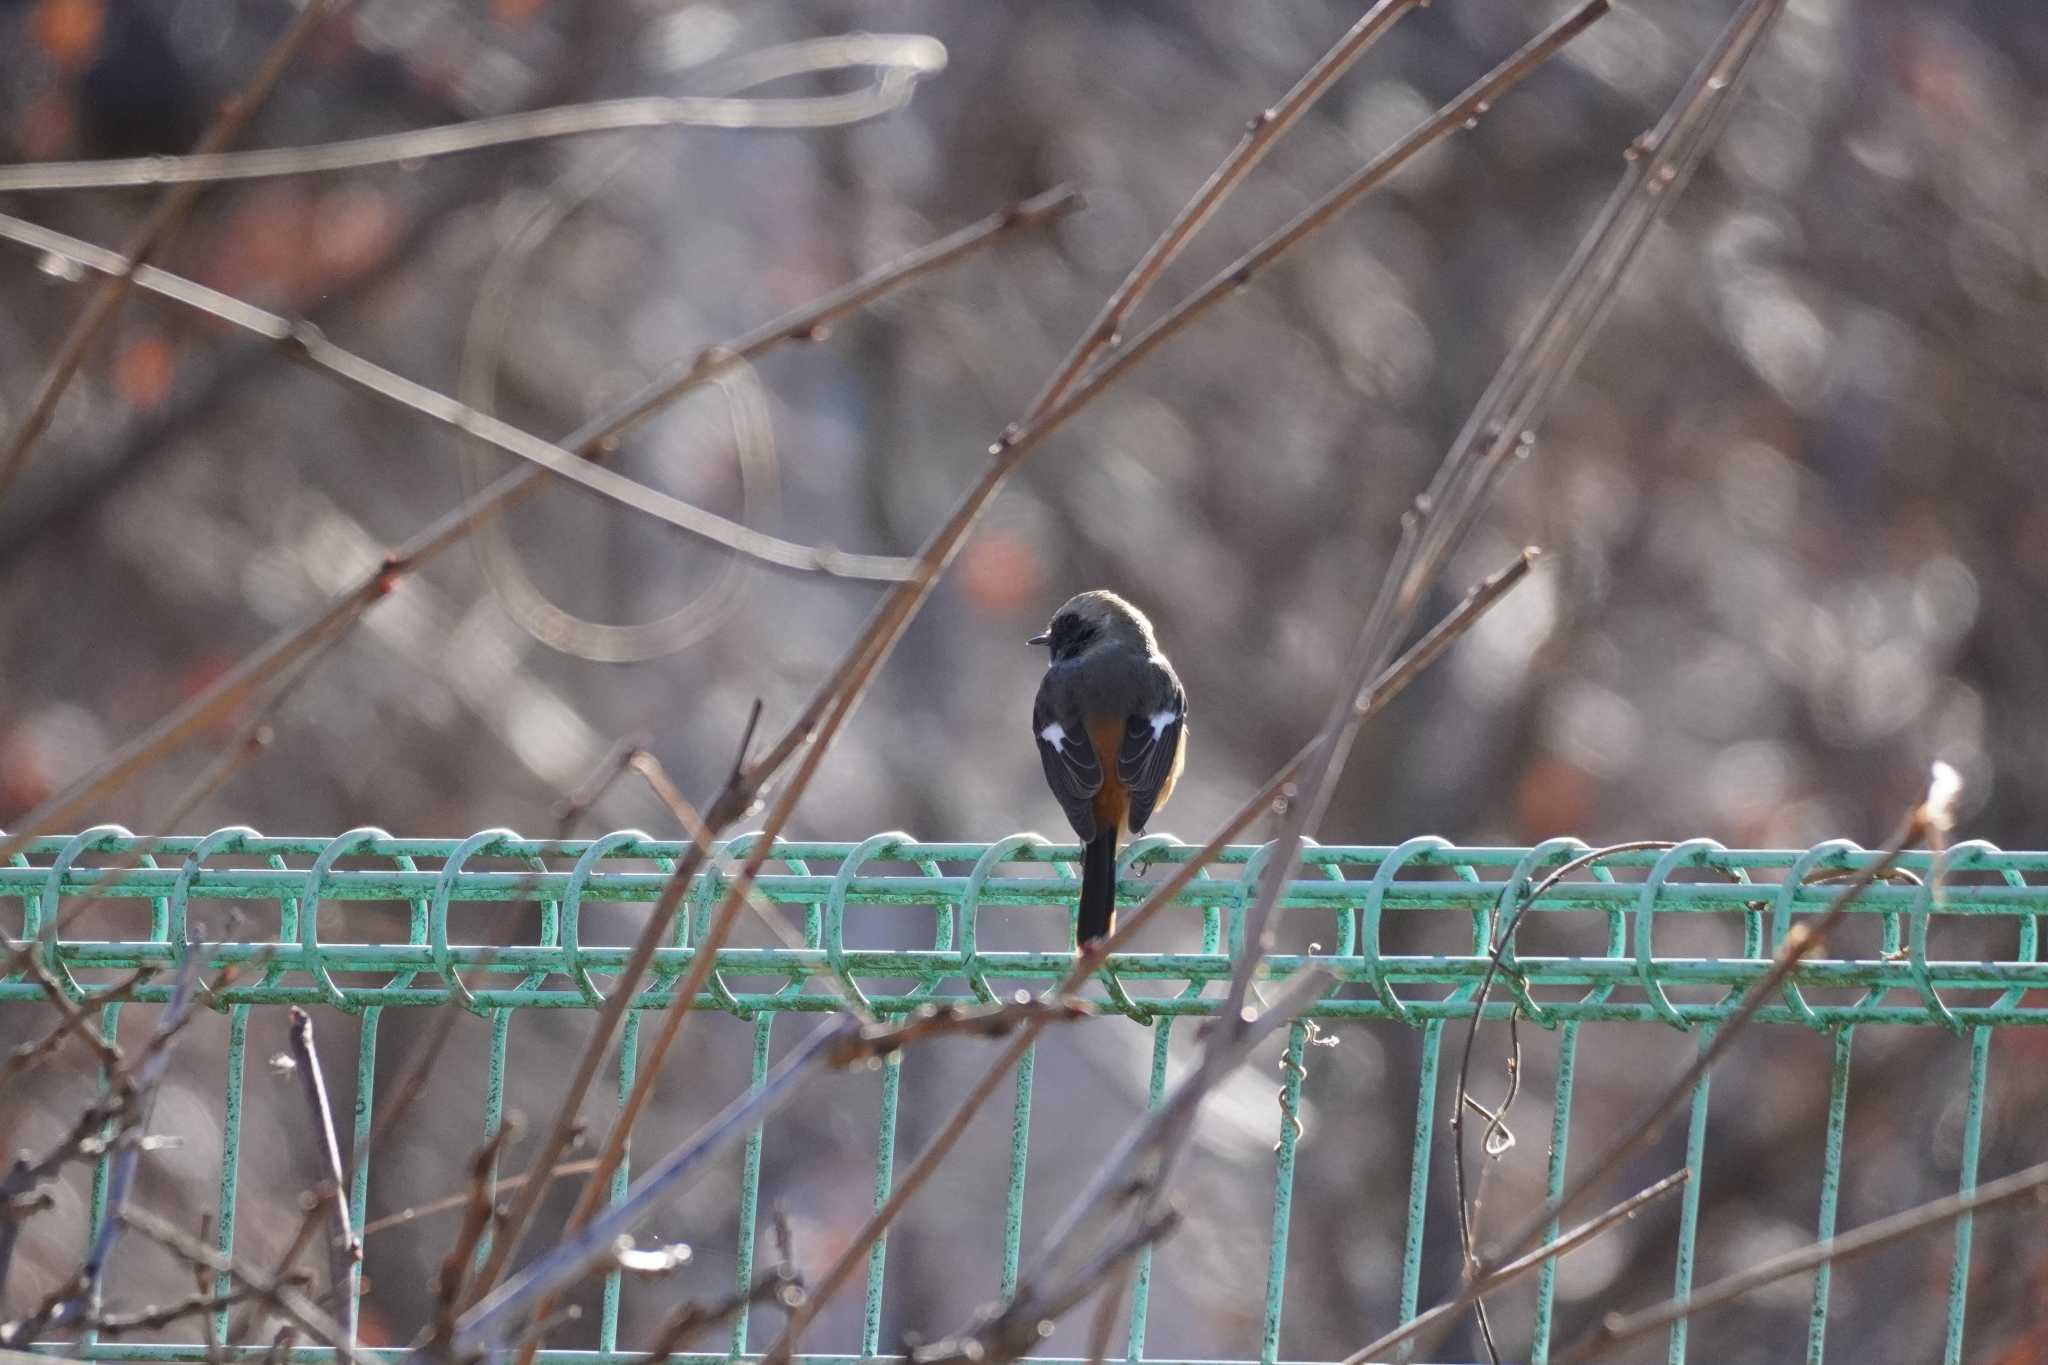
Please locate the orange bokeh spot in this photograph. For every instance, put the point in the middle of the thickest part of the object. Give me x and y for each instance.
(68, 31)
(1551, 795)
(515, 13)
(144, 370)
(353, 228)
(1000, 572)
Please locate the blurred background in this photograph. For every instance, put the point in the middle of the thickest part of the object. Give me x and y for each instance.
(1793, 507)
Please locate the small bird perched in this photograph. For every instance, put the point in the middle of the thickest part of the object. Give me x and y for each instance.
(1111, 725)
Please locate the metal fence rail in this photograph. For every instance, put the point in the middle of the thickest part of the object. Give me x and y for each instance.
(1407, 931)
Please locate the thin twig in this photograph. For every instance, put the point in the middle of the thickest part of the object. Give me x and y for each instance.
(157, 230)
(528, 1296)
(201, 1303)
(1010, 1334)
(476, 1221)
(940, 1021)
(1108, 1308)
(135, 1087)
(305, 1315)
(312, 1213)
(1618, 1328)
(73, 1021)
(308, 345)
(1442, 1314)
(902, 59)
(781, 1286)
(219, 698)
(345, 1251)
(609, 769)
(450, 1203)
(1260, 136)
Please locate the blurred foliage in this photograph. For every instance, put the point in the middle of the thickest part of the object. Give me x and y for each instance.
(1794, 509)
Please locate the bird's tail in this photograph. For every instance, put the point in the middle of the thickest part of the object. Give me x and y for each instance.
(1098, 888)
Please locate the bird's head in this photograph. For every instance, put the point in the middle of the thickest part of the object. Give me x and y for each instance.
(1092, 618)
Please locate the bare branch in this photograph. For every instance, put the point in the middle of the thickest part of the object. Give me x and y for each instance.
(577, 804)
(346, 1250)
(1619, 1328)
(476, 1221)
(452, 1202)
(306, 344)
(902, 59)
(530, 1294)
(305, 1315)
(1441, 1315)
(1260, 136)
(877, 1041)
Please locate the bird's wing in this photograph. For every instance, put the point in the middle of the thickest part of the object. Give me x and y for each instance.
(1152, 740)
(1071, 768)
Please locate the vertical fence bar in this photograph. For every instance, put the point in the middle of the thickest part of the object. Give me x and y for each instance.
(1560, 1131)
(230, 1158)
(359, 1183)
(750, 1190)
(1020, 1146)
(1283, 1187)
(885, 1169)
(110, 1022)
(1973, 1133)
(494, 1116)
(1689, 1200)
(1830, 1190)
(1418, 1173)
(1141, 1282)
(629, 1066)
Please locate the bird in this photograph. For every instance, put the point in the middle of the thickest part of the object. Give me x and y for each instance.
(1111, 725)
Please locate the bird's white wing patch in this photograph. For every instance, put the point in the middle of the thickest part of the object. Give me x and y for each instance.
(1162, 719)
(1054, 734)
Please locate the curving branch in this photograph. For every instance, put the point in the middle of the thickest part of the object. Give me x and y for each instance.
(901, 59)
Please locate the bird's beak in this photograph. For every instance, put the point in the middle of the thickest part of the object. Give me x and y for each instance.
(1042, 638)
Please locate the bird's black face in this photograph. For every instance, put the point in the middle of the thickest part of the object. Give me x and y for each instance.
(1067, 636)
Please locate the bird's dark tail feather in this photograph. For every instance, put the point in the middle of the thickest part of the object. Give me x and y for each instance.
(1098, 888)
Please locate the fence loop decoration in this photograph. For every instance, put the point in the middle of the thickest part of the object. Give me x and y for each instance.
(879, 847)
(1520, 882)
(1833, 853)
(996, 855)
(314, 960)
(46, 924)
(709, 893)
(1916, 950)
(1688, 853)
(572, 910)
(1370, 913)
(437, 912)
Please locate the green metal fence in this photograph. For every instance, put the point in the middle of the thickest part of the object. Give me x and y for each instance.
(1406, 931)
